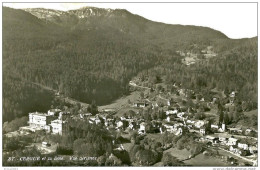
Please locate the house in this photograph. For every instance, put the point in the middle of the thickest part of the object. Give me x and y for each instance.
(223, 140)
(243, 146)
(180, 115)
(181, 92)
(189, 126)
(214, 126)
(212, 139)
(154, 105)
(179, 132)
(234, 131)
(64, 115)
(232, 94)
(93, 119)
(199, 124)
(235, 150)
(119, 124)
(53, 112)
(129, 120)
(214, 99)
(190, 122)
(253, 149)
(204, 51)
(171, 112)
(232, 141)
(131, 126)
(57, 93)
(202, 131)
(248, 131)
(178, 124)
(57, 126)
(45, 144)
(142, 128)
(170, 118)
(108, 122)
(140, 104)
(169, 127)
(122, 118)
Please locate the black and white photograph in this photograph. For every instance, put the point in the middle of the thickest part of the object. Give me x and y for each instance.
(129, 84)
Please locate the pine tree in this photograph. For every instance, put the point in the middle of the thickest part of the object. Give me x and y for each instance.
(226, 119)
(221, 114)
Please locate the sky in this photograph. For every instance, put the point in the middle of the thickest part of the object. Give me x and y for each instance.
(236, 20)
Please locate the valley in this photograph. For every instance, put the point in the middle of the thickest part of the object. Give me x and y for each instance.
(112, 86)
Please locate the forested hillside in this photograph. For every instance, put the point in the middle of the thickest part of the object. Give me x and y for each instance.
(91, 56)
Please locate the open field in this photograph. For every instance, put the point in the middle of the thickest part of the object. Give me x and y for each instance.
(121, 112)
(202, 160)
(122, 102)
(252, 112)
(157, 137)
(127, 146)
(179, 154)
(250, 121)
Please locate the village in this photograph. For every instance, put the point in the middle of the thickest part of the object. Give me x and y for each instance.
(193, 57)
(155, 115)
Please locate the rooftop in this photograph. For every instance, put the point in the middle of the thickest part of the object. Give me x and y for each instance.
(39, 114)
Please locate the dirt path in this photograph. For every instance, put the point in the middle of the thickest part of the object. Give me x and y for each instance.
(135, 85)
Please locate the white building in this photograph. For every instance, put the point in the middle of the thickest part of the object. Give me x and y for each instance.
(214, 126)
(203, 131)
(40, 120)
(253, 149)
(199, 124)
(131, 126)
(179, 132)
(171, 112)
(243, 146)
(52, 112)
(57, 126)
(232, 141)
(180, 115)
(119, 124)
(190, 121)
(223, 140)
(142, 128)
(223, 128)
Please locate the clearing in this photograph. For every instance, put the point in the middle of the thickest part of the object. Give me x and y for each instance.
(122, 102)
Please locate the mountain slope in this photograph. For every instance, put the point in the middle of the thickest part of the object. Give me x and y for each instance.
(91, 54)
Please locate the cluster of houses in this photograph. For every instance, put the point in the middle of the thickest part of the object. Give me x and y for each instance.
(191, 58)
(176, 120)
(238, 146)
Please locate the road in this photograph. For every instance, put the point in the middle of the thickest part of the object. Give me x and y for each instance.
(246, 159)
(162, 97)
(135, 85)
